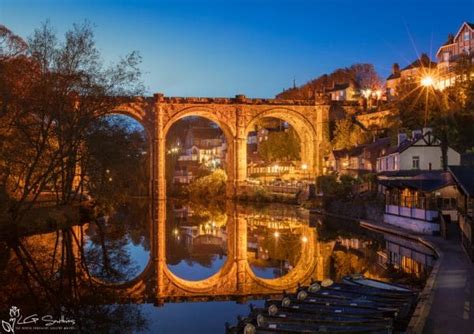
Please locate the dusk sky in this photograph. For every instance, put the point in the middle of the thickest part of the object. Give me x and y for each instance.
(223, 48)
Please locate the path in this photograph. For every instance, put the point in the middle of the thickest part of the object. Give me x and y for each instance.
(449, 304)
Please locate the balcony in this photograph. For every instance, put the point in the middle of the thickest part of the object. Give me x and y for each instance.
(415, 219)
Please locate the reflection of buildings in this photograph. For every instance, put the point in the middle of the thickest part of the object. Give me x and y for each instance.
(409, 256)
(205, 238)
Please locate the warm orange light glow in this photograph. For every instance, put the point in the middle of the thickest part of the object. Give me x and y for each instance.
(304, 239)
(276, 234)
(367, 93)
(427, 81)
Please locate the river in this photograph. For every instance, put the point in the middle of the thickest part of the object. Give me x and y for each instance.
(194, 269)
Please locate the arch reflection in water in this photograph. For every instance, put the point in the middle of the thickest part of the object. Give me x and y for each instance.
(222, 241)
(196, 240)
(276, 237)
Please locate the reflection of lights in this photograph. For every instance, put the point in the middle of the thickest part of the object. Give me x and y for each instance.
(107, 171)
(276, 234)
(175, 231)
(110, 179)
(304, 239)
(427, 81)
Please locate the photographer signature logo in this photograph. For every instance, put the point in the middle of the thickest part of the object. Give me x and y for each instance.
(34, 321)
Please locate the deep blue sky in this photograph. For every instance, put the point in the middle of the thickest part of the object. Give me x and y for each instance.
(222, 48)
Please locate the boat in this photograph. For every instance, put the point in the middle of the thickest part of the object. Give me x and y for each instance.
(253, 327)
(350, 291)
(360, 280)
(319, 309)
(367, 304)
(266, 315)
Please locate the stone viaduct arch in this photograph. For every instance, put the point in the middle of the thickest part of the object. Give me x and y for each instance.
(235, 116)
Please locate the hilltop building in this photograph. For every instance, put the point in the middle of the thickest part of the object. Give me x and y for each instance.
(461, 44)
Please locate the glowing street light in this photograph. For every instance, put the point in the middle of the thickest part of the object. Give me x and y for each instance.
(304, 239)
(367, 93)
(276, 234)
(427, 81)
(304, 166)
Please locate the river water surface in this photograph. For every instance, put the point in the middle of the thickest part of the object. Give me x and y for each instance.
(195, 269)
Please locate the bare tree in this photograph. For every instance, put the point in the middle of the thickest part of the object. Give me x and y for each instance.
(68, 88)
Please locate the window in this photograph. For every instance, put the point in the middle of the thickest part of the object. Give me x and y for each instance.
(466, 35)
(415, 162)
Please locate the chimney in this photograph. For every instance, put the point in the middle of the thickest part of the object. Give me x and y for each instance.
(426, 130)
(395, 68)
(402, 136)
(425, 60)
(450, 38)
(416, 134)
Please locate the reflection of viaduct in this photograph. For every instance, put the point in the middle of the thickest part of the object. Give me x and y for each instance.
(236, 117)
(235, 280)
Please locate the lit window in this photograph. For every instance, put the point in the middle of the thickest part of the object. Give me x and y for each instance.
(416, 162)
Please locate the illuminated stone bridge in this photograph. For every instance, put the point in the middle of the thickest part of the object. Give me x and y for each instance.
(236, 117)
(235, 280)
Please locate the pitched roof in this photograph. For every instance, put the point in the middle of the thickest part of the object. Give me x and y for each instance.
(470, 25)
(393, 76)
(464, 177)
(451, 41)
(423, 61)
(338, 87)
(407, 143)
(352, 152)
(428, 181)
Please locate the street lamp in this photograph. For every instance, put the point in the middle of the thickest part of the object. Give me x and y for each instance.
(427, 81)
(304, 167)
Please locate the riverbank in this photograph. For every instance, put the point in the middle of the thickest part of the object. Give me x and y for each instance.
(445, 304)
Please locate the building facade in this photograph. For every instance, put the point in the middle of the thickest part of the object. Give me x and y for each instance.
(420, 152)
(456, 46)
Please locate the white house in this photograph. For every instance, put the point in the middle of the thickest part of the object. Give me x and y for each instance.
(420, 152)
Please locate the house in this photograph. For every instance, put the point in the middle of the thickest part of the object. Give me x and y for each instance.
(464, 178)
(420, 152)
(419, 68)
(257, 169)
(416, 202)
(346, 161)
(206, 145)
(449, 53)
(343, 92)
(357, 161)
(185, 171)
